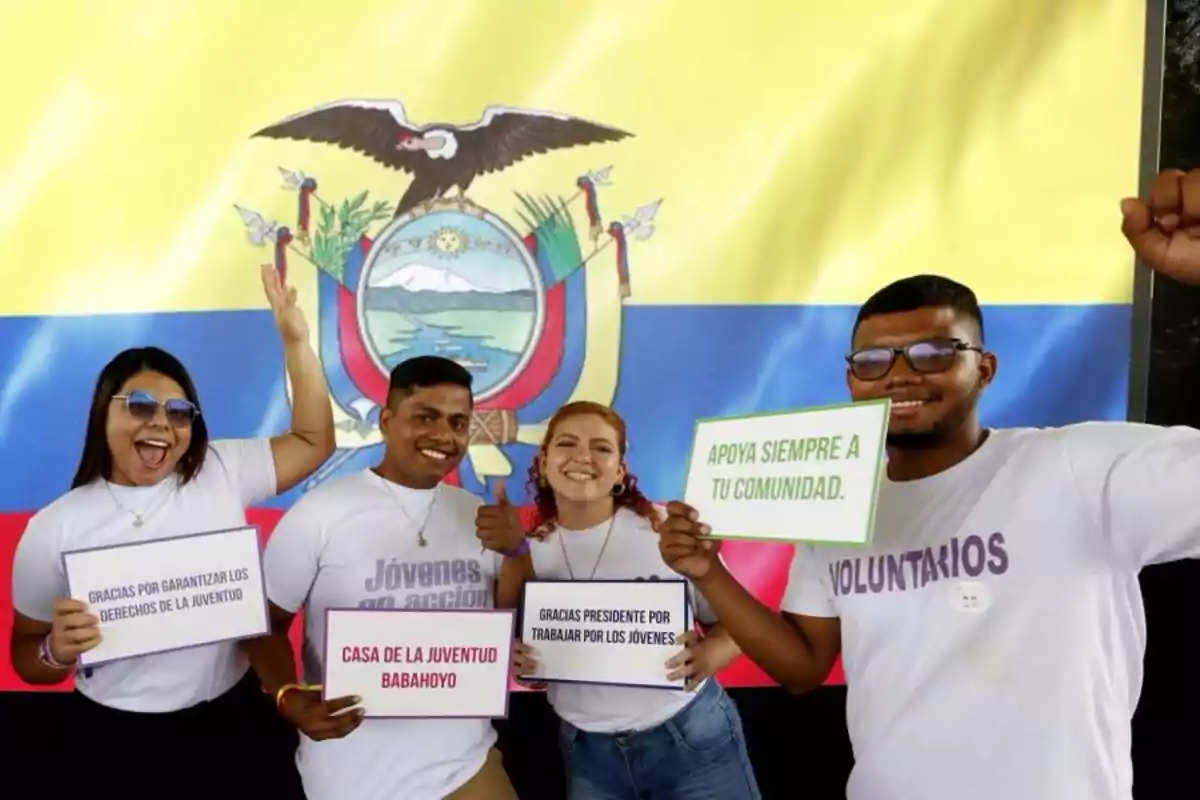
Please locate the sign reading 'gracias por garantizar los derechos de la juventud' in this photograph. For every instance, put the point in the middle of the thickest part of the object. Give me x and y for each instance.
(170, 594)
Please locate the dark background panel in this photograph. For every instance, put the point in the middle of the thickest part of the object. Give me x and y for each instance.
(793, 741)
(1164, 728)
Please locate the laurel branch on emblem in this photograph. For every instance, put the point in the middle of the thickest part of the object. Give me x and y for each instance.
(440, 274)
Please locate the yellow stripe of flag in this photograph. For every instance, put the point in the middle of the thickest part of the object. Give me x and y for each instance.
(807, 152)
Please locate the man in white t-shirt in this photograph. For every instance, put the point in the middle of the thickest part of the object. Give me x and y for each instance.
(992, 633)
(391, 537)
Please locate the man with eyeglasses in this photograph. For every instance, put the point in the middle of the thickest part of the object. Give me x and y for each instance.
(993, 632)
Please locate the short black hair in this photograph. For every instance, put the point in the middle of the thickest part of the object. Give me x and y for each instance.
(96, 460)
(922, 291)
(422, 372)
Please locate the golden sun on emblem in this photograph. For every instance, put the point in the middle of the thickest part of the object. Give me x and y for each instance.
(449, 241)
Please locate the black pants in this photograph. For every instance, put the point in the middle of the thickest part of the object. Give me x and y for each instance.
(236, 746)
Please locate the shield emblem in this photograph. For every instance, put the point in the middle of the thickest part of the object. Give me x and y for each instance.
(510, 300)
(465, 284)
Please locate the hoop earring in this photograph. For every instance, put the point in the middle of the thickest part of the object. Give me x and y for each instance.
(542, 481)
(618, 490)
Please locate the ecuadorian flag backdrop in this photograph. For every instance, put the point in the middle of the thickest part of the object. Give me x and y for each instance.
(784, 160)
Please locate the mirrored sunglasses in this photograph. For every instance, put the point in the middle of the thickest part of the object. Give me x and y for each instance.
(144, 406)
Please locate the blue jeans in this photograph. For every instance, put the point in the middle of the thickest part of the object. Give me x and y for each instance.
(698, 754)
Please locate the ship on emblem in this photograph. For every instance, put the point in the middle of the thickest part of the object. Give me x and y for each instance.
(439, 274)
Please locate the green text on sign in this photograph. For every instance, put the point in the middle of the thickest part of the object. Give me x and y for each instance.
(810, 475)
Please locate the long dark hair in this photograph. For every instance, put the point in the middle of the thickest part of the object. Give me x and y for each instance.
(546, 510)
(96, 460)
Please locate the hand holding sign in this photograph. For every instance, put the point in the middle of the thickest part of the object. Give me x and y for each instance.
(701, 658)
(681, 542)
(689, 663)
(319, 720)
(498, 526)
(73, 631)
(525, 663)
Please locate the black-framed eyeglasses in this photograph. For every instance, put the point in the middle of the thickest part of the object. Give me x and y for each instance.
(143, 406)
(927, 356)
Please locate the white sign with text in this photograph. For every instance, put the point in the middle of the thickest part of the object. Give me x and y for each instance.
(426, 663)
(170, 594)
(799, 476)
(618, 633)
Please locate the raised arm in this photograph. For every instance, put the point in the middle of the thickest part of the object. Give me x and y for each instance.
(1138, 483)
(500, 530)
(310, 438)
(796, 651)
(514, 572)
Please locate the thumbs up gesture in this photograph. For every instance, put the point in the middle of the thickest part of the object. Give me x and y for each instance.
(498, 526)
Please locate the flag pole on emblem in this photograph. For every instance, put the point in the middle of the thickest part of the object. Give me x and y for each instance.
(640, 226)
(283, 238)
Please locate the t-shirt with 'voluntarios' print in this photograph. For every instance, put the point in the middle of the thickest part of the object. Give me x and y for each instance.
(993, 631)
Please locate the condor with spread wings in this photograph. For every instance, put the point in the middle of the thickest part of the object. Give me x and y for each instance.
(439, 157)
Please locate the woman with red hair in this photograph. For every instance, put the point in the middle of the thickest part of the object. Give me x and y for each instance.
(592, 522)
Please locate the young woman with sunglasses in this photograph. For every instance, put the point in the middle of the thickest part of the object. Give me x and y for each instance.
(592, 522)
(148, 471)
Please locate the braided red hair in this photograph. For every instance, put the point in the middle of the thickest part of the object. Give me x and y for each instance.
(545, 510)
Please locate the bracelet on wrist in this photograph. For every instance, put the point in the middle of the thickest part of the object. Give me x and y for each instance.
(46, 656)
(519, 550)
(282, 691)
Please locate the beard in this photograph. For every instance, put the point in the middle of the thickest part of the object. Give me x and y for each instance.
(926, 439)
(939, 432)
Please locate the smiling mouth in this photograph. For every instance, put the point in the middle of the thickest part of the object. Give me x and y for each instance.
(434, 455)
(579, 477)
(153, 452)
(908, 407)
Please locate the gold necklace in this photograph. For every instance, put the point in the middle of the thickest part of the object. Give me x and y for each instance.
(139, 519)
(421, 542)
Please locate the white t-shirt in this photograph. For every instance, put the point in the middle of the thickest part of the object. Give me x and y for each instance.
(632, 554)
(993, 632)
(353, 542)
(236, 473)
